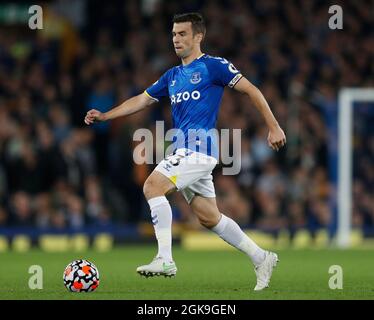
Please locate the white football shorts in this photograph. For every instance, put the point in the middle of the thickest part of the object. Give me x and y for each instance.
(191, 172)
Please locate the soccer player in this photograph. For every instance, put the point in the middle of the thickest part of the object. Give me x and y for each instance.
(195, 90)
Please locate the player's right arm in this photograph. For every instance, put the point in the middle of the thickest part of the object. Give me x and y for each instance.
(126, 108)
(152, 94)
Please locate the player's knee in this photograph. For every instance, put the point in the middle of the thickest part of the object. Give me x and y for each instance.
(153, 188)
(148, 188)
(208, 222)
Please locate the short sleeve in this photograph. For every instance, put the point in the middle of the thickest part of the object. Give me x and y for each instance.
(159, 89)
(223, 72)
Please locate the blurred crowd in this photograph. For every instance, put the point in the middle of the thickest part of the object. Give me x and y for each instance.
(55, 172)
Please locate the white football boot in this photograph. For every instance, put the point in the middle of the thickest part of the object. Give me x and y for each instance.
(265, 270)
(158, 267)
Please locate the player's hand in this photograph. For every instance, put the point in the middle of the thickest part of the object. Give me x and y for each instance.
(276, 138)
(94, 116)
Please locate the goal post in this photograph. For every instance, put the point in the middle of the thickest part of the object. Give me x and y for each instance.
(346, 98)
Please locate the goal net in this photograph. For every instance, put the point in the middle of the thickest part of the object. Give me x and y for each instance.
(349, 99)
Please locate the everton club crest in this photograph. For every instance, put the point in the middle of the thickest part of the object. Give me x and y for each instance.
(195, 78)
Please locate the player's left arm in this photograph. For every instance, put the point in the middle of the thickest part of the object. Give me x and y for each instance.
(276, 138)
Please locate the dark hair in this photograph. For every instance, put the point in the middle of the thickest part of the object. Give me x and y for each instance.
(196, 19)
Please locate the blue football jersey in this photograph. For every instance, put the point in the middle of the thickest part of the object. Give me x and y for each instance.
(195, 91)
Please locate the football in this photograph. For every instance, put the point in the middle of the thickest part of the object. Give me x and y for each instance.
(81, 276)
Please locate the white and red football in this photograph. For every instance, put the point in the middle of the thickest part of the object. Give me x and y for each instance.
(81, 276)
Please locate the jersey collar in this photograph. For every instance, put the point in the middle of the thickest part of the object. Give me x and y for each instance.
(187, 65)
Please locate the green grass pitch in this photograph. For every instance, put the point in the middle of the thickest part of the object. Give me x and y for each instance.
(301, 274)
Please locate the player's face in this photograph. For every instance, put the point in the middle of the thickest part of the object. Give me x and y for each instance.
(184, 40)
